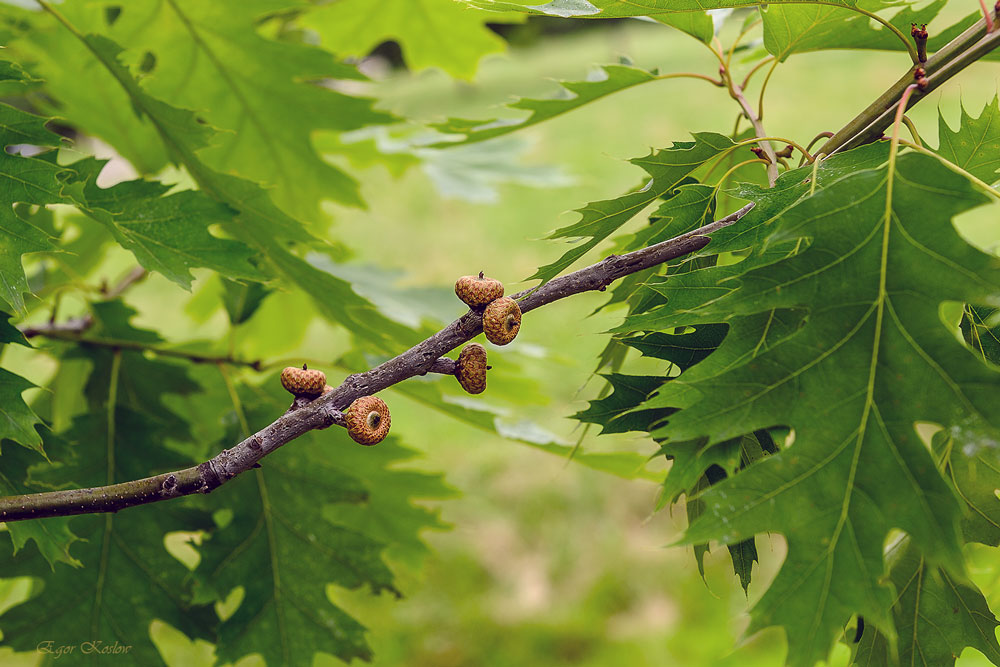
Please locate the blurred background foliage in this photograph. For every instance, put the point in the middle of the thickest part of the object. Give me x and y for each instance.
(545, 562)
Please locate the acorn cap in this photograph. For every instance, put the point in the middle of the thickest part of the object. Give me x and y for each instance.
(478, 291)
(470, 369)
(368, 420)
(302, 381)
(502, 321)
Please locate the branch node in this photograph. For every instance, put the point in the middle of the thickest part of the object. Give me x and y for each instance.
(209, 478)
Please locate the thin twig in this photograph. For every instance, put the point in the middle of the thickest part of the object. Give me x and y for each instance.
(137, 274)
(737, 94)
(72, 331)
(328, 409)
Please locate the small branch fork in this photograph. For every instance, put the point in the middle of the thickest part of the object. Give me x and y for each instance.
(328, 409)
(868, 126)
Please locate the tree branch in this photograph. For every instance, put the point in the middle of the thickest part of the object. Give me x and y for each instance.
(72, 330)
(956, 55)
(328, 409)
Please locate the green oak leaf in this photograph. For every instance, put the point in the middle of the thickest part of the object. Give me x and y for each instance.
(667, 168)
(320, 510)
(128, 578)
(86, 93)
(575, 94)
(820, 24)
(263, 93)
(877, 265)
(981, 329)
(9, 333)
(975, 146)
(616, 412)
(697, 24)
(431, 33)
(804, 27)
(12, 71)
(52, 537)
(259, 222)
(936, 616)
(17, 420)
(167, 233)
(25, 180)
(242, 300)
(743, 554)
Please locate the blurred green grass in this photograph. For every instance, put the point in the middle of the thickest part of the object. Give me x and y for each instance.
(549, 563)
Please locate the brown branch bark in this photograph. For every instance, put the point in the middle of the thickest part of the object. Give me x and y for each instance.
(327, 410)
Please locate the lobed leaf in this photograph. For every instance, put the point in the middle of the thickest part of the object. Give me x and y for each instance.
(872, 276)
(425, 30)
(128, 578)
(936, 616)
(25, 180)
(606, 80)
(167, 233)
(356, 505)
(667, 169)
(975, 145)
(259, 222)
(805, 27)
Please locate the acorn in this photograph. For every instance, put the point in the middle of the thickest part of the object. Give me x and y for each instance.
(470, 370)
(477, 292)
(302, 381)
(502, 320)
(368, 420)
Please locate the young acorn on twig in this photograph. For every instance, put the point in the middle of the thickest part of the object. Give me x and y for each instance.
(367, 419)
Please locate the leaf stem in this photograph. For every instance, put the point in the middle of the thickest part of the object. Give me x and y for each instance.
(756, 68)
(734, 168)
(986, 16)
(739, 38)
(690, 75)
(913, 130)
(763, 88)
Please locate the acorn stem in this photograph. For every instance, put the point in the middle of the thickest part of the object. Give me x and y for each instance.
(444, 366)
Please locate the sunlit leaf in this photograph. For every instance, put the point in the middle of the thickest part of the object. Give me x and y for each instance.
(605, 81)
(425, 30)
(975, 146)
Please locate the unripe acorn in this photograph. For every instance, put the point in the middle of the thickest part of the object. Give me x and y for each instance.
(470, 369)
(479, 291)
(367, 420)
(302, 381)
(502, 320)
